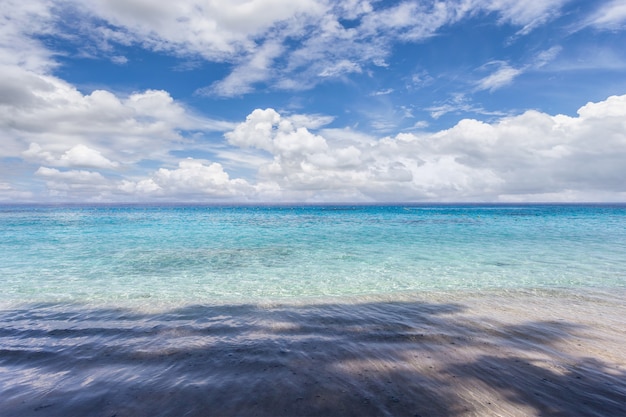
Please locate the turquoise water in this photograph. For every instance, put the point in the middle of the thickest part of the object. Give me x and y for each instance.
(196, 254)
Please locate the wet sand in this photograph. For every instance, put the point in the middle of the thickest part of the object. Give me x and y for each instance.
(521, 353)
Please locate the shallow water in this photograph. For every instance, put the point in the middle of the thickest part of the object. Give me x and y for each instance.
(174, 255)
(271, 311)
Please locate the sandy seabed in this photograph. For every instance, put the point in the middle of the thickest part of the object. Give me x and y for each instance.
(494, 353)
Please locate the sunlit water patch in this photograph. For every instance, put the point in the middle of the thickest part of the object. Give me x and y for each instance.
(195, 254)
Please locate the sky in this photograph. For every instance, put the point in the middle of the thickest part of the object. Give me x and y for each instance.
(312, 101)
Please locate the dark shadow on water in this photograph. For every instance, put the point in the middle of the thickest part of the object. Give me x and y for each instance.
(372, 359)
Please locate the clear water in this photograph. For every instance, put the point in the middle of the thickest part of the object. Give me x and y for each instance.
(193, 254)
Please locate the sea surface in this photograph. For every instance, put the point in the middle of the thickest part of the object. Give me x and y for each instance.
(312, 310)
(196, 254)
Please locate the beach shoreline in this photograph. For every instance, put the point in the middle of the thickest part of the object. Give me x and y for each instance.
(513, 353)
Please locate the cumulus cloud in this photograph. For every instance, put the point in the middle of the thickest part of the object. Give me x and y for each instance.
(529, 155)
(73, 184)
(73, 176)
(78, 156)
(192, 179)
(308, 165)
(267, 130)
(532, 156)
(100, 129)
(78, 137)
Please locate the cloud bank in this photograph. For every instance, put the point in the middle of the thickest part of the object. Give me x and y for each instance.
(533, 156)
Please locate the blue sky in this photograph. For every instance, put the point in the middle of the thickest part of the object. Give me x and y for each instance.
(312, 101)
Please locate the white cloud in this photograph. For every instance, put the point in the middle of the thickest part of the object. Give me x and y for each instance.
(309, 121)
(353, 9)
(256, 36)
(590, 58)
(193, 179)
(533, 154)
(613, 107)
(73, 176)
(119, 60)
(78, 156)
(331, 50)
(547, 56)
(503, 76)
(257, 67)
(290, 44)
(9, 194)
(113, 129)
(82, 156)
(505, 73)
(420, 79)
(20, 23)
(267, 130)
(214, 30)
(73, 184)
(382, 92)
(528, 13)
(340, 68)
(256, 131)
(609, 16)
(95, 145)
(459, 103)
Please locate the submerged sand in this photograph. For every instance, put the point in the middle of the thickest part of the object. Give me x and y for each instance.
(520, 353)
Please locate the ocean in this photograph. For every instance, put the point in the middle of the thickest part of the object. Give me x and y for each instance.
(311, 310)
